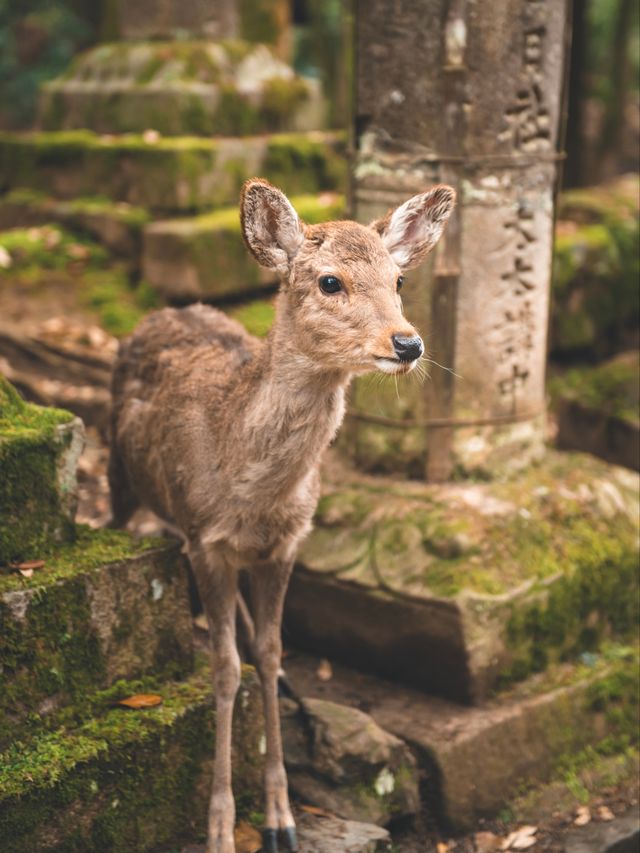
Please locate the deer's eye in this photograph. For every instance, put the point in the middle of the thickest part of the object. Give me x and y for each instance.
(399, 282)
(330, 284)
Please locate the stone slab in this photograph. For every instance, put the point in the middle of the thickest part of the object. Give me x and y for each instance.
(121, 780)
(332, 835)
(181, 88)
(178, 174)
(117, 225)
(474, 760)
(461, 587)
(205, 257)
(101, 609)
(39, 450)
(620, 836)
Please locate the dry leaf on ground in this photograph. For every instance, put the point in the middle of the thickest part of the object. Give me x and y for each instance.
(605, 813)
(486, 842)
(247, 838)
(520, 839)
(583, 816)
(442, 847)
(201, 621)
(324, 670)
(141, 700)
(316, 810)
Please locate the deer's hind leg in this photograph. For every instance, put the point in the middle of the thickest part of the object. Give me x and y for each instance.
(123, 501)
(269, 583)
(217, 583)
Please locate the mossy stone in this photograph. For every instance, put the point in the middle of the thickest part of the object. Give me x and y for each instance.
(113, 780)
(168, 174)
(101, 608)
(39, 449)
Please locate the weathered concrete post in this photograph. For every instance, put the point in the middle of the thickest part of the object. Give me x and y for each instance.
(467, 94)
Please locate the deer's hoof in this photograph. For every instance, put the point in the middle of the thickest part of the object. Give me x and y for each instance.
(269, 841)
(290, 838)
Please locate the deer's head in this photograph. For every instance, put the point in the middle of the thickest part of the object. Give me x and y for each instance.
(342, 280)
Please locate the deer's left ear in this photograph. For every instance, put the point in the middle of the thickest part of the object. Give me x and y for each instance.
(410, 231)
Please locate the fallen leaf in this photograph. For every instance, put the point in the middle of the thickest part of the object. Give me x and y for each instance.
(247, 838)
(486, 842)
(26, 573)
(605, 813)
(316, 810)
(5, 258)
(442, 847)
(324, 670)
(201, 622)
(520, 839)
(583, 816)
(30, 564)
(141, 700)
(151, 136)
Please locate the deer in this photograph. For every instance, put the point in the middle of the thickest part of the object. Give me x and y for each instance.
(221, 434)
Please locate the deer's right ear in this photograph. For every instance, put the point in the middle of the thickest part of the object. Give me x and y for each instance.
(270, 226)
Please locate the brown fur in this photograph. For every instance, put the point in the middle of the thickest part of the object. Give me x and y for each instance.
(222, 435)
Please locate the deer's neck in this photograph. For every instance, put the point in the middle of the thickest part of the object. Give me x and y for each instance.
(292, 416)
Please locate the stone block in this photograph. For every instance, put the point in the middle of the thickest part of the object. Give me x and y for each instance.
(181, 88)
(205, 256)
(39, 449)
(100, 609)
(598, 409)
(168, 174)
(166, 18)
(461, 587)
(339, 759)
(119, 780)
(117, 225)
(474, 760)
(332, 835)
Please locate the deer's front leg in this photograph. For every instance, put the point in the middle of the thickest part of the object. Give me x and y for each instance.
(217, 583)
(268, 587)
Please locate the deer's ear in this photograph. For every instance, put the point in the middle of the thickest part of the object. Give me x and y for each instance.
(410, 231)
(270, 226)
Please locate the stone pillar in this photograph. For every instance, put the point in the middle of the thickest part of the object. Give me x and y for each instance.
(468, 94)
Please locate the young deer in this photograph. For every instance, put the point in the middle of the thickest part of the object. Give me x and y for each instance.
(222, 434)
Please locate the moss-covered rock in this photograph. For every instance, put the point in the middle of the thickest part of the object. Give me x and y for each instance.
(113, 780)
(181, 87)
(205, 256)
(338, 758)
(168, 174)
(598, 409)
(459, 587)
(100, 609)
(116, 225)
(596, 301)
(39, 449)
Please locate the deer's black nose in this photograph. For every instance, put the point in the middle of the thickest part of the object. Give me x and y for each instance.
(407, 349)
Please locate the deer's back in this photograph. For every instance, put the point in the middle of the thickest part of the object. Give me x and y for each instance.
(171, 387)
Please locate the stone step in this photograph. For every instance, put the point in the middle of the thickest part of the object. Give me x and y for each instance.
(123, 780)
(168, 174)
(117, 225)
(205, 256)
(102, 608)
(473, 761)
(39, 449)
(597, 409)
(459, 587)
(177, 88)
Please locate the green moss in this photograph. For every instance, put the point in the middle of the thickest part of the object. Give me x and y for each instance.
(304, 164)
(596, 269)
(131, 780)
(256, 317)
(612, 388)
(33, 507)
(47, 247)
(260, 20)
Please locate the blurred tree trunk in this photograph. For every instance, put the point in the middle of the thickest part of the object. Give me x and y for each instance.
(613, 122)
(573, 172)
